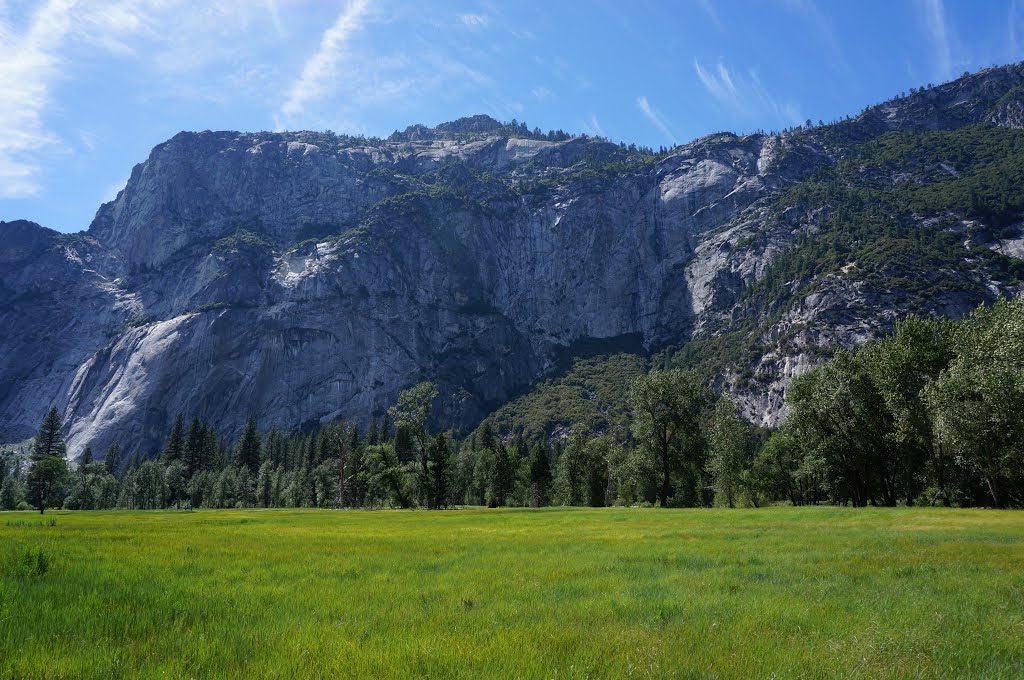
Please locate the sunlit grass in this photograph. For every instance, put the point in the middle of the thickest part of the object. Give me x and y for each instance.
(780, 592)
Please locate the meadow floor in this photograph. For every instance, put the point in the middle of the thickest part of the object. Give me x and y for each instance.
(566, 593)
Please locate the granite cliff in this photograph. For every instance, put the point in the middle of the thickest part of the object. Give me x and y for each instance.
(300, 277)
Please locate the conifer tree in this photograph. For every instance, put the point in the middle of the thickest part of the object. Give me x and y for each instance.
(540, 476)
(176, 441)
(250, 447)
(49, 468)
(112, 458)
(195, 446)
(438, 473)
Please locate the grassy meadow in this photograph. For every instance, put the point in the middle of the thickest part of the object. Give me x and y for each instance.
(552, 593)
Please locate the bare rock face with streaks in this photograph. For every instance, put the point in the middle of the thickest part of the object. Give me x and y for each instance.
(301, 277)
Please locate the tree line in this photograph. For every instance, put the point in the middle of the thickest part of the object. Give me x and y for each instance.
(932, 414)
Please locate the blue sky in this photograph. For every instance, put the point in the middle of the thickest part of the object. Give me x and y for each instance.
(88, 88)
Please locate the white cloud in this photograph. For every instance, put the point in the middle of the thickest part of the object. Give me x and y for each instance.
(29, 66)
(593, 127)
(655, 118)
(171, 41)
(541, 92)
(933, 21)
(745, 96)
(718, 83)
(474, 22)
(275, 17)
(710, 10)
(323, 66)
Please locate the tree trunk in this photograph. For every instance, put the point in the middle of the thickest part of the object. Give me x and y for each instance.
(666, 480)
(992, 490)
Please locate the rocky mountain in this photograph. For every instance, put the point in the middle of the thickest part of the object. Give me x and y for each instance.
(301, 277)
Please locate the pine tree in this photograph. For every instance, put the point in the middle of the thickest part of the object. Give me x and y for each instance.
(250, 447)
(438, 473)
(49, 468)
(503, 476)
(112, 458)
(195, 446)
(540, 476)
(176, 441)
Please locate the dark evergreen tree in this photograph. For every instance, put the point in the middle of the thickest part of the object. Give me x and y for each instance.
(112, 458)
(49, 471)
(250, 447)
(175, 447)
(503, 476)
(540, 476)
(438, 472)
(195, 447)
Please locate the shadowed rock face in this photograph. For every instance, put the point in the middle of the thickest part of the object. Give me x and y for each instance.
(301, 277)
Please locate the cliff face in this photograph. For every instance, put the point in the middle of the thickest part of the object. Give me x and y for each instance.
(301, 277)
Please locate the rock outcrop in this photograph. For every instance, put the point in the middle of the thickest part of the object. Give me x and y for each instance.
(300, 277)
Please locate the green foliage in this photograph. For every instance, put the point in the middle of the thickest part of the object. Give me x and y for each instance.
(667, 409)
(978, 401)
(581, 473)
(730, 447)
(334, 237)
(929, 414)
(870, 215)
(240, 239)
(411, 415)
(209, 307)
(49, 471)
(540, 475)
(12, 493)
(138, 321)
(250, 447)
(591, 393)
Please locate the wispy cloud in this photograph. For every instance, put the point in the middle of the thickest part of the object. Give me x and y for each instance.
(710, 10)
(821, 26)
(593, 127)
(474, 22)
(719, 83)
(745, 95)
(1013, 25)
(323, 66)
(933, 21)
(275, 17)
(29, 66)
(541, 93)
(656, 119)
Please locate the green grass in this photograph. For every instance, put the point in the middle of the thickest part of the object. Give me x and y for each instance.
(784, 592)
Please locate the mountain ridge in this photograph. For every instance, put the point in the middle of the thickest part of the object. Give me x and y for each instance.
(233, 263)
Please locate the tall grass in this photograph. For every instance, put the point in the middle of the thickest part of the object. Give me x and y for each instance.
(787, 592)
